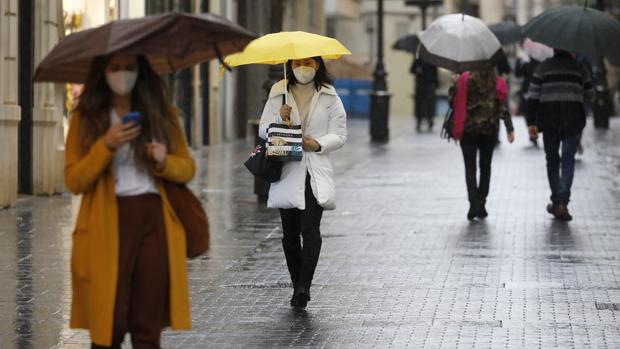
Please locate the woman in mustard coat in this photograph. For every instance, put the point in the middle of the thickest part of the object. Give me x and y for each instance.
(128, 262)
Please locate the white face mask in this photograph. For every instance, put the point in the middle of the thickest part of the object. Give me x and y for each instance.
(122, 81)
(304, 74)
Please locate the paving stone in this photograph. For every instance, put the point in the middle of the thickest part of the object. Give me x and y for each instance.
(401, 267)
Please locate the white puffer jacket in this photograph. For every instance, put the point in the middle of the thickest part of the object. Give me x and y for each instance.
(327, 123)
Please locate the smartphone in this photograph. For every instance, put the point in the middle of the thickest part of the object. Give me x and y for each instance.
(133, 116)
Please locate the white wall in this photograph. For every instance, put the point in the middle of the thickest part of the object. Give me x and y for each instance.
(491, 11)
(399, 20)
(10, 112)
(131, 8)
(96, 12)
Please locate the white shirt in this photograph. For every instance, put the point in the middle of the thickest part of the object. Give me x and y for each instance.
(303, 97)
(129, 181)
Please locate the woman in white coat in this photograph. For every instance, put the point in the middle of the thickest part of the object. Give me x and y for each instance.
(306, 187)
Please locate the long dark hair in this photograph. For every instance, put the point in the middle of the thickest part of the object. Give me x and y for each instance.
(484, 80)
(321, 78)
(150, 97)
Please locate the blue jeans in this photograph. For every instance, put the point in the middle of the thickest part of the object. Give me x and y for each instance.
(560, 168)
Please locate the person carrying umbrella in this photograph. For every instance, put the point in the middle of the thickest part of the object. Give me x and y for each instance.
(426, 82)
(125, 146)
(306, 187)
(305, 97)
(557, 95)
(535, 53)
(464, 44)
(118, 168)
(561, 87)
(479, 100)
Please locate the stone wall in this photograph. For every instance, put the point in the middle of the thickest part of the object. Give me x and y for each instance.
(48, 104)
(9, 108)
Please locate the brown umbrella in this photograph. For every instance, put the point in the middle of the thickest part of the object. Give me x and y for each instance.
(171, 41)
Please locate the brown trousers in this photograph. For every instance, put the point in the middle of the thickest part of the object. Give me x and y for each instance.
(142, 294)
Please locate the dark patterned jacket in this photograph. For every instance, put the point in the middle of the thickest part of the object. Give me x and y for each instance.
(484, 111)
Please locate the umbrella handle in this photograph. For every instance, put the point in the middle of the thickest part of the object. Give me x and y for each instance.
(285, 92)
(220, 58)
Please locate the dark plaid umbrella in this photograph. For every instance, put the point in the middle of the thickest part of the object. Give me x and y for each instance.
(171, 41)
(507, 32)
(407, 43)
(576, 29)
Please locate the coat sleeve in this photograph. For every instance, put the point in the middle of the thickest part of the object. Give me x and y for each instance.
(336, 130)
(179, 166)
(504, 114)
(83, 170)
(269, 116)
(533, 97)
(588, 88)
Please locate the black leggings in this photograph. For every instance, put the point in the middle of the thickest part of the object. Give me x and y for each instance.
(471, 144)
(302, 262)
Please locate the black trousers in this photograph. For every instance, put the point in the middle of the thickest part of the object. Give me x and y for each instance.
(297, 224)
(472, 145)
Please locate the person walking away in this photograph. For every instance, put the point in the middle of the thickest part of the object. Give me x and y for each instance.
(525, 69)
(426, 82)
(306, 187)
(479, 100)
(560, 88)
(128, 263)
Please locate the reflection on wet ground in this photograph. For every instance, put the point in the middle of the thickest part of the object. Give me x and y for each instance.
(400, 266)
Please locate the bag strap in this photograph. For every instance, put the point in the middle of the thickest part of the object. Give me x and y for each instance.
(283, 103)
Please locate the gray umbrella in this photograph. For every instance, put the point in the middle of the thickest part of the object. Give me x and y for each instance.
(407, 43)
(507, 32)
(576, 29)
(459, 42)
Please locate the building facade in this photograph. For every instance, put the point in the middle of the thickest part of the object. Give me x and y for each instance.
(34, 117)
(354, 22)
(10, 111)
(30, 115)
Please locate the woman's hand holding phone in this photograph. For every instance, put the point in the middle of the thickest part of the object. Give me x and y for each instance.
(120, 134)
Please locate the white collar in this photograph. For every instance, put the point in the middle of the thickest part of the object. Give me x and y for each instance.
(278, 89)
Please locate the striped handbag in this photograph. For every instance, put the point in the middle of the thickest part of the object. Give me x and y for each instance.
(284, 142)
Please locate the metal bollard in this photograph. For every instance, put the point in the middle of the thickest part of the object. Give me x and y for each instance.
(379, 116)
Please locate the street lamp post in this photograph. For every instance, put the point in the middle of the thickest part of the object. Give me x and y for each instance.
(379, 97)
(423, 5)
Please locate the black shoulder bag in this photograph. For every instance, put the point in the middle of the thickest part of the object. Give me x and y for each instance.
(261, 166)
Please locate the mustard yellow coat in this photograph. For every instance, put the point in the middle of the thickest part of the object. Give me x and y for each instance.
(94, 258)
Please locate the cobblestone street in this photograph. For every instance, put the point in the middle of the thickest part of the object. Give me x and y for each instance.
(401, 267)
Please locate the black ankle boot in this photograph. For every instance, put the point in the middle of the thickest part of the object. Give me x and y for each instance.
(294, 300)
(482, 210)
(471, 214)
(301, 296)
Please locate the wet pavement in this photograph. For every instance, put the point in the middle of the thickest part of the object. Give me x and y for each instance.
(400, 267)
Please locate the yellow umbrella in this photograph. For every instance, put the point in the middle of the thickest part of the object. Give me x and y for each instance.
(278, 48)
